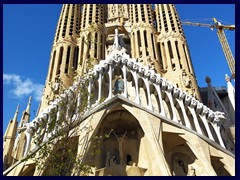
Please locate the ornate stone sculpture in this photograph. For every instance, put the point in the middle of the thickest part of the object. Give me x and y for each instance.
(186, 80)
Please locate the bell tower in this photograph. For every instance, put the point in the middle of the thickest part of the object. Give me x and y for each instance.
(64, 54)
(143, 35)
(175, 59)
(92, 36)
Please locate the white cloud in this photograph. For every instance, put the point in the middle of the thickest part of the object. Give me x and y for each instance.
(23, 87)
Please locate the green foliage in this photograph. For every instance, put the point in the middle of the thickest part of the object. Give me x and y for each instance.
(59, 154)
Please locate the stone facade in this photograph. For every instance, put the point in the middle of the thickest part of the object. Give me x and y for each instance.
(137, 65)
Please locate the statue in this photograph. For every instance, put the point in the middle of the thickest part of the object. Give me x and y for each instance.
(192, 171)
(150, 62)
(120, 141)
(116, 43)
(111, 158)
(56, 85)
(186, 79)
(119, 86)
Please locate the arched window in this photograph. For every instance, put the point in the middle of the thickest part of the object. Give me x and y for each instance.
(75, 60)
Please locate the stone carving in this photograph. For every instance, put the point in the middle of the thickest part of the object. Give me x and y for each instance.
(56, 85)
(120, 141)
(150, 62)
(219, 116)
(111, 158)
(186, 80)
(227, 78)
(119, 86)
(191, 171)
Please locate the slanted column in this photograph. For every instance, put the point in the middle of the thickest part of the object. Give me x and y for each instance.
(181, 104)
(217, 130)
(195, 120)
(99, 87)
(110, 81)
(28, 133)
(89, 91)
(217, 117)
(202, 115)
(157, 86)
(204, 120)
(169, 94)
(137, 99)
(148, 94)
(125, 80)
(192, 103)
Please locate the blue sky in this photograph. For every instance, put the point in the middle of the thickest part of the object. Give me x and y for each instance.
(28, 33)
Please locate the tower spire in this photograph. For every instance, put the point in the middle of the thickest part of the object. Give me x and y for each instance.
(175, 59)
(64, 55)
(29, 104)
(9, 138)
(26, 114)
(12, 122)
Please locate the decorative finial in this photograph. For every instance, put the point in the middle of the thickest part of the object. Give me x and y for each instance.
(116, 43)
(28, 106)
(227, 78)
(16, 114)
(17, 110)
(30, 99)
(208, 79)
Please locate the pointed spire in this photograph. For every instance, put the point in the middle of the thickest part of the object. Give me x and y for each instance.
(26, 114)
(29, 104)
(11, 128)
(116, 43)
(12, 120)
(16, 114)
(9, 139)
(210, 92)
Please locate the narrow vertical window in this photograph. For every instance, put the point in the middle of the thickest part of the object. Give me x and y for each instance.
(179, 58)
(145, 38)
(89, 45)
(67, 60)
(164, 56)
(95, 45)
(133, 45)
(52, 65)
(82, 47)
(159, 50)
(170, 49)
(154, 55)
(139, 42)
(186, 58)
(59, 60)
(75, 60)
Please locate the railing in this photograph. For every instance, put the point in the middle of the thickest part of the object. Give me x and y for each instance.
(140, 85)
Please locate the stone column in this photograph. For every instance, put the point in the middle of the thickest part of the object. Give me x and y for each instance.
(148, 94)
(99, 87)
(217, 130)
(125, 80)
(110, 82)
(28, 133)
(168, 92)
(157, 86)
(137, 99)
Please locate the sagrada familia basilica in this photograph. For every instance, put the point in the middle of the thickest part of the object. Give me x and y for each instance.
(136, 61)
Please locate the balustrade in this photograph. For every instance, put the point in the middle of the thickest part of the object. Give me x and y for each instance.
(128, 65)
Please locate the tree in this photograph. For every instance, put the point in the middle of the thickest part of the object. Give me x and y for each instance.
(58, 141)
(58, 154)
